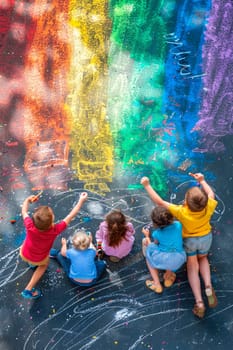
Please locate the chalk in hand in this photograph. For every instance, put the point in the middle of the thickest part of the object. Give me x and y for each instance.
(35, 198)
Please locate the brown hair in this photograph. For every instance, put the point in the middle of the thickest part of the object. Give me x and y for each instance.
(117, 227)
(43, 218)
(161, 217)
(196, 199)
(80, 240)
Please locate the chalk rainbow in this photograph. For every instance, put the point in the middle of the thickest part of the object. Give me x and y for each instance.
(105, 91)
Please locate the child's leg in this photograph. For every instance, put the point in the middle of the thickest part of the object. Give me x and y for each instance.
(205, 270)
(193, 277)
(154, 274)
(202, 254)
(195, 284)
(205, 273)
(36, 277)
(144, 246)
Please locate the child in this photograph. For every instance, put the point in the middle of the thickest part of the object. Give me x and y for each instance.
(116, 235)
(166, 253)
(40, 235)
(194, 214)
(79, 262)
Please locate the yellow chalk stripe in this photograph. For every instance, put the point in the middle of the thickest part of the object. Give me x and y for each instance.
(91, 144)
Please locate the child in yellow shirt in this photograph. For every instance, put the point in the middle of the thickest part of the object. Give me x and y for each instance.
(195, 215)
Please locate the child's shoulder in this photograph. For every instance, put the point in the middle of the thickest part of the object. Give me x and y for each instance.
(177, 224)
(103, 224)
(130, 226)
(129, 223)
(29, 223)
(72, 251)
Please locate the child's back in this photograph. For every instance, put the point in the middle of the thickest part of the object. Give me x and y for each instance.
(196, 212)
(82, 257)
(41, 233)
(116, 235)
(79, 262)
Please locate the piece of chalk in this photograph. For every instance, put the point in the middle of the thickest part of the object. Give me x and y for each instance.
(36, 197)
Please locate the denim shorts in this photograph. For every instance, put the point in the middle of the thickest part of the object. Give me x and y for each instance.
(198, 245)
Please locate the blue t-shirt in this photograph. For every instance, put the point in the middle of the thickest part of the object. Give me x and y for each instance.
(82, 263)
(169, 237)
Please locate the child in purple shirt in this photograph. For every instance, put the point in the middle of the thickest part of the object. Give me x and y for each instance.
(116, 235)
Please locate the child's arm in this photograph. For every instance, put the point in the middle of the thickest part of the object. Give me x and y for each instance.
(153, 195)
(76, 209)
(99, 234)
(91, 243)
(131, 229)
(63, 246)
(146, 233)
(25, 206)
(206, 187)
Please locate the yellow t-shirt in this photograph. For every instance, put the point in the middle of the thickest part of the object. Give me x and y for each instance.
(194, 223)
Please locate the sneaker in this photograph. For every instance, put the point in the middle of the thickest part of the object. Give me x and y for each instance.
(53, 253)
(31, 294)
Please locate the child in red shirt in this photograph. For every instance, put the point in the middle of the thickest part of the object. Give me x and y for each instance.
(41, 232)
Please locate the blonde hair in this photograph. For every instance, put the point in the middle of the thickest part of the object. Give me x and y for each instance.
(80, 240)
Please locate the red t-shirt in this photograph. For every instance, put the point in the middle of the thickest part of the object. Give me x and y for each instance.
(37, 244)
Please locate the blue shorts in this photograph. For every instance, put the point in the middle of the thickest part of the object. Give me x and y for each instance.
(198, 245)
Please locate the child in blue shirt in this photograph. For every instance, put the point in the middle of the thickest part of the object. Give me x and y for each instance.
(79, 262)
(166, 252)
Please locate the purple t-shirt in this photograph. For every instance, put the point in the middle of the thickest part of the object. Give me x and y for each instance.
(124, 247)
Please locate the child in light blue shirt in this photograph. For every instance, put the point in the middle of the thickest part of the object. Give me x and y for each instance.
(79, 262)
(165, 251)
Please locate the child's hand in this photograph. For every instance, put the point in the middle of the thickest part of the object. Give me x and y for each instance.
(83, 196)
(36, 197)
(63, 241)
(197, 176)
(145, 181)
(146, 232)
(30, 199)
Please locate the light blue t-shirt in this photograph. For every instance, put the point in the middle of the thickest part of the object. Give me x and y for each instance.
(169, 237)
(82, 263)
